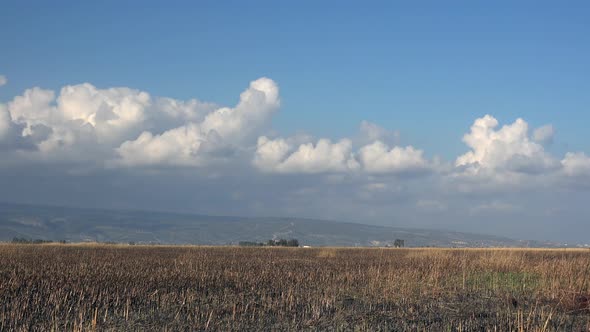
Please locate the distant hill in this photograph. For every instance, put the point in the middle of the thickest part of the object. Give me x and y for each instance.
(79, 225)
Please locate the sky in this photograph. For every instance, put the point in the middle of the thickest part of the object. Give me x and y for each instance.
(461, 115)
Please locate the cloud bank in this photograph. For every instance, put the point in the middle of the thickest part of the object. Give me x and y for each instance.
(124, 127)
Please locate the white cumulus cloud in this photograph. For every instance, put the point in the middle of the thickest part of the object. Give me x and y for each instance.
(3, 80)
(322, 157)
(114, 113)
(178, 146)
(379, 158)
(220, 129)
(506, 149)
(128, 127)
(256, 106)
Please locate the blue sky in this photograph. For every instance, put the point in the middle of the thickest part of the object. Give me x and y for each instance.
(292, 83)
(426, 69)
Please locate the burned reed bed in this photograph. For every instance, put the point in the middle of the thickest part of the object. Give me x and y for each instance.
(100, 287)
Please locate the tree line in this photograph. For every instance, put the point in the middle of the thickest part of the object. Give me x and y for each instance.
(22, 240)
(271, 243)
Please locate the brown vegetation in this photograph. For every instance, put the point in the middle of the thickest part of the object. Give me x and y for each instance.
(70, 287)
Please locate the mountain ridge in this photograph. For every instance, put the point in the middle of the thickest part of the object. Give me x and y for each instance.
(74, 224)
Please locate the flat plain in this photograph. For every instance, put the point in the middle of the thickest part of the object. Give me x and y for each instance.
(177, 288)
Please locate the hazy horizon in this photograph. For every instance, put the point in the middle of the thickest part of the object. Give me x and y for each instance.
(469, 118)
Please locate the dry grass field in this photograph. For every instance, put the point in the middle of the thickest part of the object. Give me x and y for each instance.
(95, 287)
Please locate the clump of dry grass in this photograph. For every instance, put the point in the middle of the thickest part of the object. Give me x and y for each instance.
(213, 288)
